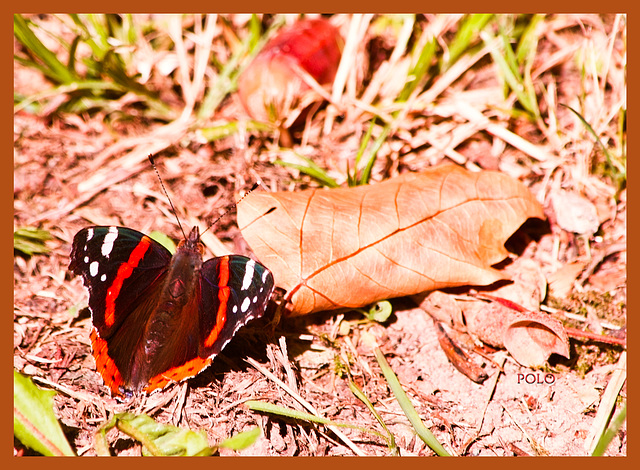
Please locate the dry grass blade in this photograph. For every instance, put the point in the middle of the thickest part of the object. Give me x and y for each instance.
(357, 29)
(607, 404)
(193, 88)
(300, 415)
(476, 117)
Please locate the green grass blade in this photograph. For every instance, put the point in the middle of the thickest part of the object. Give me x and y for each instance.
(465, 36)
(312, 170)
(511, 77)
(610, 433)
(619, 171)
(418, 74)
(391, 441)
(366, 173)
(528, 44)
(241, 440)
(505, 28)
(89, 37)
(353, 180)
(365, 142)
(86, 85)
(264, 407)
(51, 66)
(522, 59)
(411, 413)
(255, 32)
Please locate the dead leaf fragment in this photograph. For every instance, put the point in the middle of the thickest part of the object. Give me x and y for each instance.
(532, 337)
(574, 212)
(349, 247)
(458, 357)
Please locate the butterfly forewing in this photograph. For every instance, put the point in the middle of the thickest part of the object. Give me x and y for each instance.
(235, 289)
(118, 265)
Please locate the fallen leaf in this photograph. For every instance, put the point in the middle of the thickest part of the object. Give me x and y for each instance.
(350, 247)
(533, 336)
(458, 357)
(271, 86)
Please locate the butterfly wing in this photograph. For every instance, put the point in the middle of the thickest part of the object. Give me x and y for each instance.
(123, 270)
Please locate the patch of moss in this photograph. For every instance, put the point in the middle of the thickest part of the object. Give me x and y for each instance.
(604, 305)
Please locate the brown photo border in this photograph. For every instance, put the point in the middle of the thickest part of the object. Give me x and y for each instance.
(288, 6)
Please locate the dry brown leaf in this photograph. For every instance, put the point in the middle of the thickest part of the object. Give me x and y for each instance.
(561, 282)
(458, 357)
(533, 336)
(349, 247)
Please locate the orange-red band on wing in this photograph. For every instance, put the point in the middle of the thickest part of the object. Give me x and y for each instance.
(105, 365)
(178, 373)
(224, 293)
(124, 272)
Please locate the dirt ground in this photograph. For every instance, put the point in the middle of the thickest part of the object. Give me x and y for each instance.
(70, 173)
(520, 411)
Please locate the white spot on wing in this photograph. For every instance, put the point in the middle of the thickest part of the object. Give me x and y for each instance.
(107, 244)
(245, 305)
(103, 277)
(93, 269)
(264, 275)
(248, 275)
(89, 233)
(86, 259)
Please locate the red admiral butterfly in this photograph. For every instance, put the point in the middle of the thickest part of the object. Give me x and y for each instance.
(159, 318)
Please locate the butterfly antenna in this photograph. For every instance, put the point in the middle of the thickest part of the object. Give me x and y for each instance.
(167, 194)
(233, 206)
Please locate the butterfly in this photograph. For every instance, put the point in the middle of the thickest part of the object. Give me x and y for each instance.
(159, 318)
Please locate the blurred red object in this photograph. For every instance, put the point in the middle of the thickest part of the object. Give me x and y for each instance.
(273, 86)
